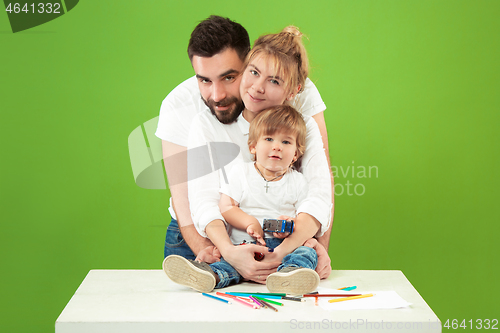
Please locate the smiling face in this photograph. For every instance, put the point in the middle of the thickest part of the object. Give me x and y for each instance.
(274, 153)
(260, 87)
(219, 79)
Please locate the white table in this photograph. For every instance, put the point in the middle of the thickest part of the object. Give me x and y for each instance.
(147, 301)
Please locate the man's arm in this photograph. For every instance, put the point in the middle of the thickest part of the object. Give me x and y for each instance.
(176, 170)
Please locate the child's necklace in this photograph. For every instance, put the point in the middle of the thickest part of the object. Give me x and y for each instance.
(267, 181)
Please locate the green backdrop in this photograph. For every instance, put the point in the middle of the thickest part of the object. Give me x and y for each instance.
(412, 90)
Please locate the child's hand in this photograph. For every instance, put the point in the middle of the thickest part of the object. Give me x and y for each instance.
(282, 234)
(255, 230)
(285, 217)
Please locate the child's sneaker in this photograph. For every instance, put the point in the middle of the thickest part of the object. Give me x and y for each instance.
(190, 273)
(293, 280)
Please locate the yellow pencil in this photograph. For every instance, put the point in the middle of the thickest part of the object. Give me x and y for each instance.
(348, 298)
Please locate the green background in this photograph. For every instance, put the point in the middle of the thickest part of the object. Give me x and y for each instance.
(412, 87)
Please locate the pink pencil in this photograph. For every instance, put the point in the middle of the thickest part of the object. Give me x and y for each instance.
(253, 305)
(241, 300)
(256, 301)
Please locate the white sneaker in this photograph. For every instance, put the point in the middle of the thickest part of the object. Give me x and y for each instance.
(189, 273)
(293, 280)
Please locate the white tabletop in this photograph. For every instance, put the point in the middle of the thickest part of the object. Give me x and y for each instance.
(147, 301)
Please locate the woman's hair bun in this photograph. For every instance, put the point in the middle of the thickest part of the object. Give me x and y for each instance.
(293, 30)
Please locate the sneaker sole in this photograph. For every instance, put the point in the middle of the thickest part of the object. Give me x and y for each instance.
(181, 271)
(298, 282)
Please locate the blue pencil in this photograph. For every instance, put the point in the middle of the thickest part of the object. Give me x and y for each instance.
(217, 298)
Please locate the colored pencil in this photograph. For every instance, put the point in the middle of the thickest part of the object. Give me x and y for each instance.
(240, 299)
(253, 305)
(296, 299)
(250, 300)
(234, 297)
(269, 305)
(257, 301)
(348, 288)
(217, 298)
(261, 295)
(256, 293)
(349, 298)
(225, 295)
(330, 295)
(268, 300)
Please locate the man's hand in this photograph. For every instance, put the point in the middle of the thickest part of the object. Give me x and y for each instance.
(324, 267)
(210, 254)
(242, 259)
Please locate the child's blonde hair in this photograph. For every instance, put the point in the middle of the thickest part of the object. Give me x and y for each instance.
(286, 54)
(280, 118)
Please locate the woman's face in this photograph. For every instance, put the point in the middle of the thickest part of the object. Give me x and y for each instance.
(260, 88)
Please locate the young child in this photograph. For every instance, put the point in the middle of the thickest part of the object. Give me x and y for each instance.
(266, 188)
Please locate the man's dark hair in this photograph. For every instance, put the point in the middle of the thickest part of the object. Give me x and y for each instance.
(215, 34)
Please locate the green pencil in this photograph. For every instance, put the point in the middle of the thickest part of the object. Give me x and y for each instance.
(268, 300)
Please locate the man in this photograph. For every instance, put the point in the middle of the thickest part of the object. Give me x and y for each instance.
(217, 50)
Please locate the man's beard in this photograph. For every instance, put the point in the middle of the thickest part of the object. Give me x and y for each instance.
(230, 115)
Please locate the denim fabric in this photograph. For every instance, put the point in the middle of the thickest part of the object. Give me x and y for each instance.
(303, 256)
(227, 274)
(175, 244)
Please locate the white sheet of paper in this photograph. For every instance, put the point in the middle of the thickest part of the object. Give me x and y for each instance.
(380, 300)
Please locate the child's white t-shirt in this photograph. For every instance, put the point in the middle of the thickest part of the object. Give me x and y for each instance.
(248, 188)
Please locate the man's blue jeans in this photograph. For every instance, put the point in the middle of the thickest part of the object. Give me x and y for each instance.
(175, 243)
(303, 256)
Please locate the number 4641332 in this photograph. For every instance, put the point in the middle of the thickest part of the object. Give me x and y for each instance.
(487, 324)
(40, 8)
